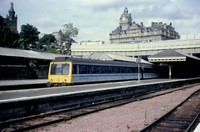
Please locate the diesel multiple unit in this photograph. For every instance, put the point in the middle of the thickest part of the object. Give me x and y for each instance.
(64, 71)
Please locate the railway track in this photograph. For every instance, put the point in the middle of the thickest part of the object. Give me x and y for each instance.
(180, 119)
(35, 121)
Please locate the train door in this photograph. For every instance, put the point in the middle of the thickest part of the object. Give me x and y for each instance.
(78, 71)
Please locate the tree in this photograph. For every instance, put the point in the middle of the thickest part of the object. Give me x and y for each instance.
(47, 39)
(28, 36)
(8, 37)
(68, 32)
(47, 43)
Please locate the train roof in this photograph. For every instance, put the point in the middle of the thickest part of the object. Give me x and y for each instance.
(96, 62)
(112, 57)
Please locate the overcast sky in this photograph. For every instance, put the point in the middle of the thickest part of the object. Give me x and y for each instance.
(95, 19)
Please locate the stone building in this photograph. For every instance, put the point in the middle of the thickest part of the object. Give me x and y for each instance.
(57, 36)
(129, 31)
(12, 18)
(92, 42)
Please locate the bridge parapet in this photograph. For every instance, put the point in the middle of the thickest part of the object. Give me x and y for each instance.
(190, 46)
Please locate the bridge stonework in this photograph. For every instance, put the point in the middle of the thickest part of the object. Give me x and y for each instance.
(188, 46)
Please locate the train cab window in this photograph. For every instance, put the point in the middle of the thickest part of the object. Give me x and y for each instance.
(65, 69)
(53, 69)
(59, 69)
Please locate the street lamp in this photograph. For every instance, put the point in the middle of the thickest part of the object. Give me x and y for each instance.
(138, 61)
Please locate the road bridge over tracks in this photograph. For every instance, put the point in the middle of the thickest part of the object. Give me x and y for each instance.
(187, 46)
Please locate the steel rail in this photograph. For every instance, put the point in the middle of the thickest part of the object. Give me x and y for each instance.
(165, 116)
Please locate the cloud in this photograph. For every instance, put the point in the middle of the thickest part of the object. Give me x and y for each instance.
(94, 3)
(95, 19)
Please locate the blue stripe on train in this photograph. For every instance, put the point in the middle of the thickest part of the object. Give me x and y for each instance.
(108, 77)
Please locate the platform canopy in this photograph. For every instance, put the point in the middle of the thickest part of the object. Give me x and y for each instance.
(10, 56)
(180, 65)
(10, 52)
(171, 56)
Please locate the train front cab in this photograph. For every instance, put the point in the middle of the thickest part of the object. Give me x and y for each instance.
(60, 73)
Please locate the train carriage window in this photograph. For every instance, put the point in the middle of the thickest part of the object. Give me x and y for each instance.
(113, 69)
(125, 69)
(74, 70)
(128, 69)
(134, 70)
(122, 69)
(83, 69)
(106, 69)
(109, 69)
(97, 69)
(89, 69)
(149, 70)
(93, 69)
(103, 69)
(116, 69)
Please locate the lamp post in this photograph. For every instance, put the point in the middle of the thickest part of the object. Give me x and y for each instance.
(138, 61)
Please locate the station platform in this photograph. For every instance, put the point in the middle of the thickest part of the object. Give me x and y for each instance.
(22, 84)
(41, 93)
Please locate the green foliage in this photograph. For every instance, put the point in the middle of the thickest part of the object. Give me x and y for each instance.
(47, 39)
(53, 50)
(68, 32)
(28, 35)
(47, 43)
(8, 37)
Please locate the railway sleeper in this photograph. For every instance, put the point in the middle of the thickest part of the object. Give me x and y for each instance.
(86, 110)
(180, 119)
(161, 129)
(170, 125)
(175, 122)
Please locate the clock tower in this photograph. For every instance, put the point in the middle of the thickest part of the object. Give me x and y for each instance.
(125, 20)
(12, 18)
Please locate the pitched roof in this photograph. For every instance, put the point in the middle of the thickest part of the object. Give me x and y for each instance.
(27, 54)
(170, 56)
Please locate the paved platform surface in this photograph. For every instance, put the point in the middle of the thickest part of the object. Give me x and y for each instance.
(21, 82)
(27, 94)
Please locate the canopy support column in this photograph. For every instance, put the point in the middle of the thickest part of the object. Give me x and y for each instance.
(170, 72)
